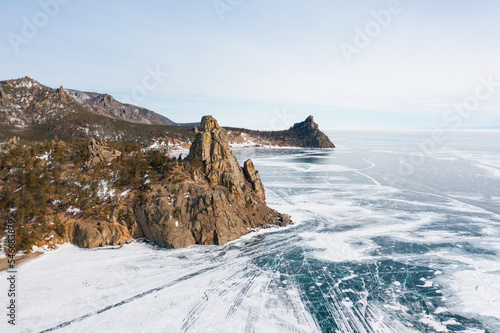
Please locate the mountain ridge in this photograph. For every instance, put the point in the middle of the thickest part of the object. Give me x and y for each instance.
(34, 111)
(107, 105)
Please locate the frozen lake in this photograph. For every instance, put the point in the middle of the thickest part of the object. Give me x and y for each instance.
(394, 232)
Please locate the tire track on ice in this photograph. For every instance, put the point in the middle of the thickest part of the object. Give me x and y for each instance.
(129, 300)
(219, 292)
(239, 298)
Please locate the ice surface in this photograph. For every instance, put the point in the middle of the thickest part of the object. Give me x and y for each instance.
(372, 250)
(145, 287)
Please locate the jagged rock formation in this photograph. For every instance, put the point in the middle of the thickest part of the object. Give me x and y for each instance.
(3, 95)
(62, 94)
(254, 179)
(225, 203)
(208, 199)
(308, 133)
(212, 148)
(96, 154)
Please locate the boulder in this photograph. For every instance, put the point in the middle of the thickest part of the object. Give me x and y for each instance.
(90, 235)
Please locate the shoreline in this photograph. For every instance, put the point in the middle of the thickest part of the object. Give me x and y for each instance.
(4, 262)
(21, 259)
(4, 265)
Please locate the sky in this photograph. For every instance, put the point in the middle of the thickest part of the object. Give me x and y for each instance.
(267, 64)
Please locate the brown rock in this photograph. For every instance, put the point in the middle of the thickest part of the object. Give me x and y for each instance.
(135, 229)
(11, 143)
(90, 235)
(212, 204)
(96, 152)
(254, 178)
(3, 95)
(211, 146)
(224, 203)
(63, 94)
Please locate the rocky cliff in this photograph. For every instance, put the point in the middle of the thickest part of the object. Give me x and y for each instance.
(309, 134)
(220, 202)
(304, 134)
(207, 199)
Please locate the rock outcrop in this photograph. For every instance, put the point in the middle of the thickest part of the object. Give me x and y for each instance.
(254, 179)
(96, 154)
(226, 202)
(305, 134)
(11, 143)
(206, 198)
(309, 134)
(62, 94)
(211, 147)
(3, 95)
(90, 235)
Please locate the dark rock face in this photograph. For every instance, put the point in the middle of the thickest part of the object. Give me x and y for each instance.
(222, 204)
(309, 134)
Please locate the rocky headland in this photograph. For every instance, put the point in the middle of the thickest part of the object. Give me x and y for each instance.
(220, 201)
(305, 134)
(94, 194)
